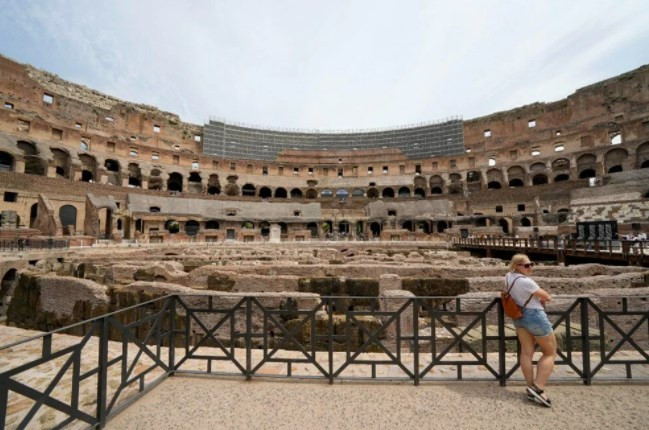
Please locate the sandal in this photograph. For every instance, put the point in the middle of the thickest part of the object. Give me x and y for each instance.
(537, 393)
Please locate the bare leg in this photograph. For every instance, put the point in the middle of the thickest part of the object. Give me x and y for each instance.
(546, 362)
(527, 352)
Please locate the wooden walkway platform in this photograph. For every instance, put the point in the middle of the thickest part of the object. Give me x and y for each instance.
(564, 251)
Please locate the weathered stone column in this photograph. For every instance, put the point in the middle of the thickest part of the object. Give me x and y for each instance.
(392, 301)
(389, 281)
(275, 235)
(19, 166)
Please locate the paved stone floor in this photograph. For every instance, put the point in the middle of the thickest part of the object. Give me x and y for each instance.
(207, 403)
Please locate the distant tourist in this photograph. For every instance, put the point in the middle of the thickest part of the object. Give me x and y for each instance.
(533, 328)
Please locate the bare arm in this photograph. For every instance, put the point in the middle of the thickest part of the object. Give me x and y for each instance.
(542, 295)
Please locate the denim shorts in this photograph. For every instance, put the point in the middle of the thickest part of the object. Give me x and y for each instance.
(535, 321)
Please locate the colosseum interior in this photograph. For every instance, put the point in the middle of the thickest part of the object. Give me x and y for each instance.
(108, 203)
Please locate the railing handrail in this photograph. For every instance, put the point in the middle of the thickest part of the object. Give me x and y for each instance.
(290, 296)
(84, 322)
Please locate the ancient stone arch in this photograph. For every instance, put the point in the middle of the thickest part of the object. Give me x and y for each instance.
(175, 182)
(516, 176)
(61, 162)
(6, 162)
(249, 190)
(88, 168)
(642, 156)
(134, 175)
(614, 160)
(587, 166)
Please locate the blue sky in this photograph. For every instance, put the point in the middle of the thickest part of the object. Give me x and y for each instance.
(329, 64)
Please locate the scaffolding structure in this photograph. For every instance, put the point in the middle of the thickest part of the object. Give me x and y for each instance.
(416, 141)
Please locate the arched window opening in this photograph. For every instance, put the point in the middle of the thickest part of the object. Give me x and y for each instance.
(436, 190)
(408, 225)
(264, 228)
(420, 192)
(194, 177)
(296, 193)
(562, 177)
(504, 225)
(175, 182)
(6, 162)
(388, 193)
(615, 169)
(248, 190)
(587, 173)
(375, 229)
(311, 193)
(343, 228)
(111, 165)
(642, 156)
(249, 225)
(326, 193)
(280, 193)
(404, 192)
(342, 194)
(372, 193)
(424, 226)
(172, 226)
(525, 222)
(68, 216)
(539, 179)
(473, 176)
(441, 226)
(357, 193)
(265, 193)
(86, 176)
(494, 185)
(513, 183)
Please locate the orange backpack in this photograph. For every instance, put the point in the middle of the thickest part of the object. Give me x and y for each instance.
(512, 310)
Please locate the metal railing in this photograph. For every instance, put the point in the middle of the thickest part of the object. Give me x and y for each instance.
(33, 244)
(600, 248)
(114, 359)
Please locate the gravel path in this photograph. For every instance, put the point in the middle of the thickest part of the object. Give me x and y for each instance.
(198, 403)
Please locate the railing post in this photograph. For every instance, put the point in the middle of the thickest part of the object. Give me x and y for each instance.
(415, 333)
(502, 372)
(102, 374)
(330, 339)
(585, 339)
(4, 399)
(172, 335)
(248, 338)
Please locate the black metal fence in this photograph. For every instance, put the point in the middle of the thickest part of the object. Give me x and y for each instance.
(33, 244)
(114, 359)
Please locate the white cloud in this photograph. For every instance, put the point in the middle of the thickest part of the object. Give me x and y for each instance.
(329, 64)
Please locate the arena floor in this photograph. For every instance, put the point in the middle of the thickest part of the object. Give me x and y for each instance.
(198, 403)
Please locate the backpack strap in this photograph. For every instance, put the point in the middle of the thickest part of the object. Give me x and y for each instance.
(512, 286)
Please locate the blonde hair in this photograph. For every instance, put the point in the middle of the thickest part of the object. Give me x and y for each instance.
(516, 260)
